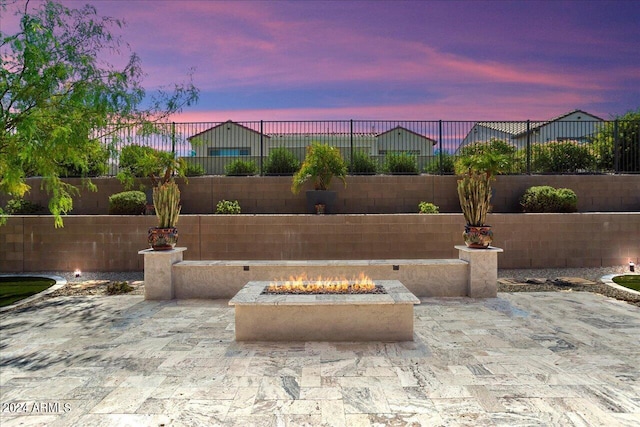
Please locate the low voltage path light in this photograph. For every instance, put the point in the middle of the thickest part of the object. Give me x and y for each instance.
(77, 272)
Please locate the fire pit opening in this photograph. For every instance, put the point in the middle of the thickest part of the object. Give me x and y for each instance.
(302, 285)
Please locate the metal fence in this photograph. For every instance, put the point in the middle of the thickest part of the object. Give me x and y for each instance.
(555, 147)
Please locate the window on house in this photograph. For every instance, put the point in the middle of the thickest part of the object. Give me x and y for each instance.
(410, 152)
(572, 138)
(229, 152)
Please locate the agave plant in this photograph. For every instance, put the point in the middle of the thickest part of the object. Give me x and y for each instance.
(166, 200)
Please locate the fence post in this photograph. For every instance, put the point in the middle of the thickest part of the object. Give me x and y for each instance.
(616, 148)
(173, 138)
(441, 147)
(261, 147)
(351, 144)
(528, 147)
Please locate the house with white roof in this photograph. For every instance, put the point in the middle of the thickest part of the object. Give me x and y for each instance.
(576, 125)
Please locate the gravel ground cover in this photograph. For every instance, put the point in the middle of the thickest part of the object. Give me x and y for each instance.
(520, 280)
(564, 280)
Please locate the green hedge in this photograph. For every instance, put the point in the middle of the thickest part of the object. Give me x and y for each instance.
(281, 161)
(362, 163)
(548, 199)
(127, 203)
(241, 167)
(401, 163)
(228, 207)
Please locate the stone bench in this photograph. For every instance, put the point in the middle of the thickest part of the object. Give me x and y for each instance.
(167, 276)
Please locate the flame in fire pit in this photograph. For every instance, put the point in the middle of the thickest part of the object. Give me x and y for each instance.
(302, 284)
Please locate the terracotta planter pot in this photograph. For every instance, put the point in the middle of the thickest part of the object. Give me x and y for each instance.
(317, 197)
(477, 237)
(163, 239)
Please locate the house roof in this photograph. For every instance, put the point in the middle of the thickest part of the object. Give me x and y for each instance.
(520, 128)
(224, 124)
(434, 142)
(511, 128)
(311, 135)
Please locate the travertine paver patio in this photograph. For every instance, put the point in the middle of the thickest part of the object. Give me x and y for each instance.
(521, 359)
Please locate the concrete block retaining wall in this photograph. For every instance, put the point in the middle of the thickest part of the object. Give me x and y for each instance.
(364, 194)
(111, 243)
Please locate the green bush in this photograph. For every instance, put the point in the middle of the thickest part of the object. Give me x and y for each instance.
(494, 145)
(133, 158)
(127, 203)
(321, 164)
(362, 163)
(401, 163)
(496, 149)
(92, 162)
(228, 207)
(548, 199)
(626, 131)
(561, 157)
(241, 167)
(448, 161)
(138, 161)
(193, 169)
(281, 161)
(23, 207)
(428, 208)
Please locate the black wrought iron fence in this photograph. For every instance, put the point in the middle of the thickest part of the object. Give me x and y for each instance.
(377, 146)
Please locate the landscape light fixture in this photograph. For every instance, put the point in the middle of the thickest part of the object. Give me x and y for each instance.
(632, 267)
(77, 272)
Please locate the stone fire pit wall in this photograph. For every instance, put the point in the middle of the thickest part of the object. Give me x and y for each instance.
(339, 317)
(167, 276)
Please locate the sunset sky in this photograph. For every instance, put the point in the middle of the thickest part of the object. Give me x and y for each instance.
(395, 60)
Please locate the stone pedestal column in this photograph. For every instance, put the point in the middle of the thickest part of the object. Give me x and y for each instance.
(158, 279)
(483, 270)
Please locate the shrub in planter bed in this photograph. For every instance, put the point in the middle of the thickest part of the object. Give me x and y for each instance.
(241, 167)
(402, 163)
(23, 207)
(448, 164)
(127, 203)
(561, 157)
(192, 169)
(428, 208)
(228, 207)
(362, 163)
(281, 161)
(548, 199)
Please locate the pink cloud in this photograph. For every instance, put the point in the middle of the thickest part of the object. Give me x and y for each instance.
(454, 107)
(253, 44)
(271, 46)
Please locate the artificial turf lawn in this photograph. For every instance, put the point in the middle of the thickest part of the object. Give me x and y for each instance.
(631, 281)
(14, 289)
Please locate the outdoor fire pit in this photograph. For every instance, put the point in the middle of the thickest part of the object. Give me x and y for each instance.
(385, 313)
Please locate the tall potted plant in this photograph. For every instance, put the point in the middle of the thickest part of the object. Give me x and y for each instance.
(476, 172)
(321, 164)
(166, 199)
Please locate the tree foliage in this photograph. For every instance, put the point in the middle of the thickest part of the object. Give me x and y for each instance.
(321, 164)
(625, 131)
(58, 95)
(139, 161)
(494, 157)
(561, 157)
